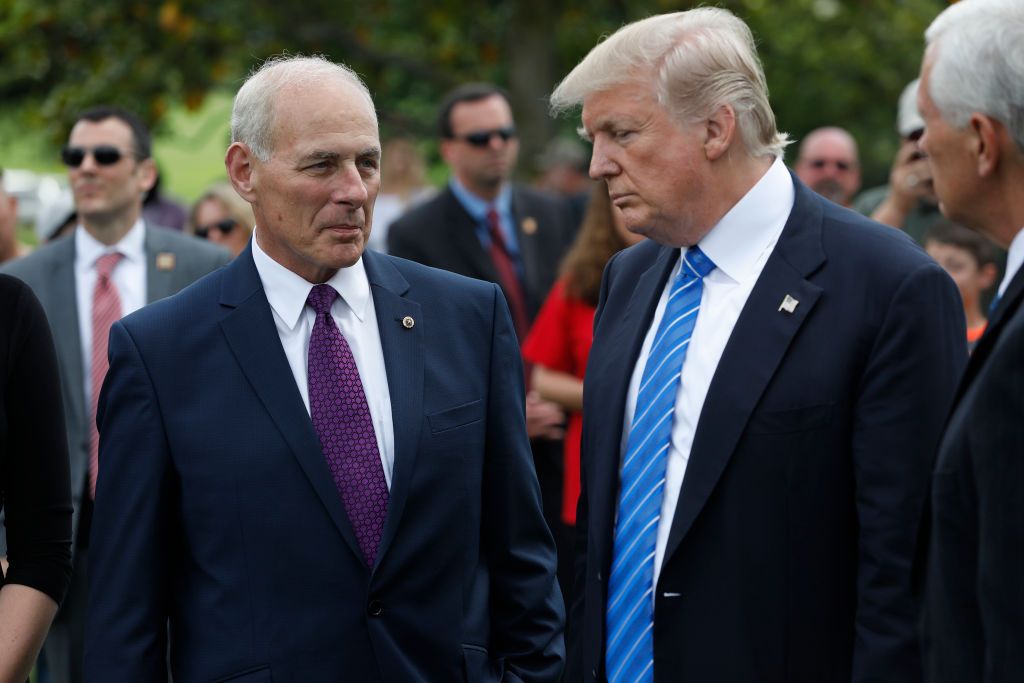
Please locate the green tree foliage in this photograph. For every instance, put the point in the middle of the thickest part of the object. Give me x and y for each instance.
(839, 62)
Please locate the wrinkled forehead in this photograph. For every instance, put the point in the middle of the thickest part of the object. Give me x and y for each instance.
(610, 106)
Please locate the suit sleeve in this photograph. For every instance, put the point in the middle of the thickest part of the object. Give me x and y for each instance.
(527, 615)
(996, 435)
(905, 394)
(133, 539)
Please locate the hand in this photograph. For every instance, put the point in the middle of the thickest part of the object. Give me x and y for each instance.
(911, 176)
(544, 419)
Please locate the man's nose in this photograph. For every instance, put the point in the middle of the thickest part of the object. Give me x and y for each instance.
(601, 164)
(350, 187)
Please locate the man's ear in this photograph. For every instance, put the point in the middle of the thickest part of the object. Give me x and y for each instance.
(446, 150)
(147, 173)
(987, 137)
(987, 275)
(240, 164)
(719, 131)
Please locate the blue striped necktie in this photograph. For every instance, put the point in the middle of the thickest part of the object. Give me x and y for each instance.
(629, 652)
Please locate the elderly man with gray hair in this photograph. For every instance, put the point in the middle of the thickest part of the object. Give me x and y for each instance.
(972, 102)
(767, 385)
(315, 460)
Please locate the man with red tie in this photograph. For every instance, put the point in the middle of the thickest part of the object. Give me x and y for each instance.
(113, 263)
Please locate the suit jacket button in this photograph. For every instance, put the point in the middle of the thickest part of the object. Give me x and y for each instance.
(375, 608)
(599, 577)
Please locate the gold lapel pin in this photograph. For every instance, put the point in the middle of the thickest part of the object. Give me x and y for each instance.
(165, 260)
(788, 304)
(529, 225)
(408, 322)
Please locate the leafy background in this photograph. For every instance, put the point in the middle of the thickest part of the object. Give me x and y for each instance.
(177, 62)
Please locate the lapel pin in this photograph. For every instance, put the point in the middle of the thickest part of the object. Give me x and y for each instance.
(529, 225)
(788, 304)
(408, 322)
(165, 260)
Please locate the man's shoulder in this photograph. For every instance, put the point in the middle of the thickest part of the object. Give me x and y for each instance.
(850, 236)
(868, 200)
(164, 239)
(426, 278)
(36, 268)
(423, 214)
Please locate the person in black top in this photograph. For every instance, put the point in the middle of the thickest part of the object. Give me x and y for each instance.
(35, 491)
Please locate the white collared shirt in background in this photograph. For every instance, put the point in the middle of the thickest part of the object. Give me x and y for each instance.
(739, 246)
(129, 277)
(354, 314)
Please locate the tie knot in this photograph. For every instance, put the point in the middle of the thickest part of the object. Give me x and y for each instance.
(105, 264)
(321, 297)
(696, 263)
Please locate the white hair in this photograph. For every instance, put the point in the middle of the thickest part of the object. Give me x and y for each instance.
(252, 116)
(701, 59)
(977, 50)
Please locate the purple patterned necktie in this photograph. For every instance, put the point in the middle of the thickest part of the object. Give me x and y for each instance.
(342, 420)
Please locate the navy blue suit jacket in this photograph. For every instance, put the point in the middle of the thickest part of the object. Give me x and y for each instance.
(216, 509)
(789, 553)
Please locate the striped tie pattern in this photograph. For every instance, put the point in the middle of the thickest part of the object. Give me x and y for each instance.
(106, 310)
(629, 652)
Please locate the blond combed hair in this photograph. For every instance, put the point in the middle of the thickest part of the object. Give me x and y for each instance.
(699, 60)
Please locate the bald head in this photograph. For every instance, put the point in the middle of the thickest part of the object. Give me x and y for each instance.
(827, 162)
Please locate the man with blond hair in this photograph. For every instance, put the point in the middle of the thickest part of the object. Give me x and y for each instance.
(766, 388)
(317, 466)
(972, 101)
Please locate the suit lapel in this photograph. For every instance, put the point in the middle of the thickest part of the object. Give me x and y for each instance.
(67, 333)
(612, 372)
(252, 336)
(755, 348)
(463, 238)
(161, 266)
(403, 360)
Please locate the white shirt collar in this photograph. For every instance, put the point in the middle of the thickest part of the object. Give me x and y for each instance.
(1014, 260)
(132, 246)
(287, 292)
(736, 243)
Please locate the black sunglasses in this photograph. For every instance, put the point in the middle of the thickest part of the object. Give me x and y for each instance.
(105, 155)
(225, 226)
(822, 163)
(482, 138)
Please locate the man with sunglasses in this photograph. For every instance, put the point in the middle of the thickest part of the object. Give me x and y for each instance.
(827, 163)
(112, 264)
(486, 227)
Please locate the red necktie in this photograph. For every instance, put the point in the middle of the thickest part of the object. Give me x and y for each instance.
(507, 275)
(106, 310)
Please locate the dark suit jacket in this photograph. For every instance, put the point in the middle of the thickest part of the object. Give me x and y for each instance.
(440, 233)
(217, 510)
(50, 272)
(975, 590)
(789, 555)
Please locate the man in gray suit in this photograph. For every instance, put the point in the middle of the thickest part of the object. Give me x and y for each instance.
(113, 264)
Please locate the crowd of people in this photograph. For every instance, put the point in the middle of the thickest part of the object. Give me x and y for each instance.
(699, 417)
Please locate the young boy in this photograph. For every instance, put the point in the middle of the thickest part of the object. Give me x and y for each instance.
(970, 260)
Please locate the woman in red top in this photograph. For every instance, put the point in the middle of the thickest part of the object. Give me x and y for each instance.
(559, 341)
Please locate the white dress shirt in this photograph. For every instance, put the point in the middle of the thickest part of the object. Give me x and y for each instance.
(739, 245)
(129, 278)
(1014, 260)
(354, 314)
